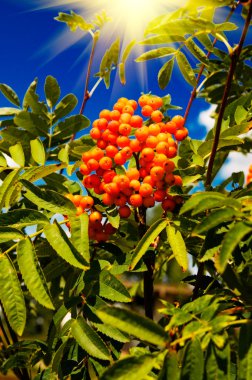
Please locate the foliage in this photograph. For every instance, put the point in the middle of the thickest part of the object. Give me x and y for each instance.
(90, 292)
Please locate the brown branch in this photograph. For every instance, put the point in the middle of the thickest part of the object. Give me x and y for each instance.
(194, 91)
(234, 59)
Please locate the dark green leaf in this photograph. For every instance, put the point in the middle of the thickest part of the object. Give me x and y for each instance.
(146, 240)
(32, 123)
(79, 235)
(195, 199)
(164, 74)
(10, 94)
(52, 91)
(70, 126)
(22, 218)
(89, 340)
(245, 353)
(170, 369)
(214, 219)
(62, 245)
(32, 273)
(185, 68)
(131, 322)
(130, 368)
(193, 363)
(11, 295)
(111, 288)
(65, 106)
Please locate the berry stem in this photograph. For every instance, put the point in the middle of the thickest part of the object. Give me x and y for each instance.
(234, 60)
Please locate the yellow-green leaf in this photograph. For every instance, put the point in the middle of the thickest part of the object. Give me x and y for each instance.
(178, 246)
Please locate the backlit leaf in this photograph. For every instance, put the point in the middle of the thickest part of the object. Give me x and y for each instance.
(111, 288)
(22, 218)
(10, 94)
(9, 233)
(185, 68)
(156, 53)
(7, 184)
(38, 151)
(214, 219)
(178, 246)
(32, 273)
(11, 295)
(164, 74)
(17, 154)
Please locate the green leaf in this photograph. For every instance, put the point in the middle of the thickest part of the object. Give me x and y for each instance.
(10, 233)
(38, 151)
(205, 148)
(156, 53)
(178, 246)
(170, 369)
(52, 91)
(89, 340)
(225, 26)
(48, 199)
(7, 184)
(38, 172)
(62, 245)
(69, 126)
(164, 74)
(17, 154)
(214, 219)
(21, 218)
(57, 357)
(217, 363)
(146, 240)
(205, 41)
(74, 21)
(9, 111)
(232, 238)
(196, 51)
(111, 332)
(195, 199)
(109, 59)
(111, 288)
(131, 322)
(125, 56)
(65, 106)
(79, 235)
(162, 39)
(32, 273)
(240, 114)
(11, 295)
(32, 123)
(185, 68)
(210, 203)
(130, 368)
(193, 363)
(10, 94)
(63, 155)
(245, 353)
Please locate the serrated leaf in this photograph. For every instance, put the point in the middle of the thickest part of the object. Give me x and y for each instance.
(31, 122)
(109, 59)
(38, 151)
(146, 240)
(240, 114)
(162, 39)
(10, 233)
(69, 126)
(197, 198)
(34, 173)
(178, 246)
(214, 219)
(32, 273)
(193, 363)
(185, 68)
(11, 295)
(196, 51)
(17, 154)
(10, 94)
(8, 182)
(65, 106)
(89, 340)
(130, 368)
(52, 91)
(131, 322)
(164, 74)
(245, 353)
(125, 56)
(79, 235)
(48, 199)
(156, 53)
(22, 218)
(205, 41)
(112, 332)
(74, 21)
(205, 148)
(9, 111)
(213, 202)
(231, 239)
(64, 248)
(111, 288)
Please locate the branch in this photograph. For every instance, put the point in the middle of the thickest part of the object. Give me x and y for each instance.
(234, 59)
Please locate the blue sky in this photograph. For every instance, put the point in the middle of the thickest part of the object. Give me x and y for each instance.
(32, 46)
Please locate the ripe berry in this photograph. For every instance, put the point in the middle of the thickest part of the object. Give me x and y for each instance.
(105, 114)
(95, 217)
(136, 121)
(133, 173)
(145, 190)
(106, 163)
(111, 151)
(148, 154)
(143, 100)
(95, 133)
(124, 211)
(148, 202)
(157, 116)
(181, 134)
(147, 111)
(168, 205)
(179, 120)
(136, 200)
(86, 202)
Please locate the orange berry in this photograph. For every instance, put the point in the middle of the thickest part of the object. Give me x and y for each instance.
(86, 156)
(154, 129)
(143, 173)
(112, 137)
(126, 152)
(92, 164)
(79, 211)
(157, 116)
(120, 200)
(112, 188)
(169, 179)
(111, 151)
(94, 180)
(172, 152)
(95, 133)
(135, 145)
(118, 106)
(97, 153)
(101, 144)
(124, 211)
(148, 154)
(136, 121)
(84, 170)
(157, 173)
(169, 166)
(171, 127)
(162, 136)
(123, 100)
(86, 202)
(133, 173)
(151, 142)
(143, 100)
(125, 129)
(159, 195)
(162, 147)
(181, 134)
(134, 185)
(147, 111)
(125, 118)
(116, 113)
(105, 114)
(108, 176)
(178, 180)
(108, 199)
(136, 200)
(142, 133)
(148, 179)
(145, 190)
(119, 159)
(122, 181)
(95, 217)
(113, 126)
(102, 124)
(159, 159)
(133, 104)
(179, 120)
(106, 163)
(76, 199)
(128, 109)
(155, 102)
(148, 201)
(122, 141)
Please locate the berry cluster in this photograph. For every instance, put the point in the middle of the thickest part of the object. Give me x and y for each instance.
(119, 135)
(249, 175)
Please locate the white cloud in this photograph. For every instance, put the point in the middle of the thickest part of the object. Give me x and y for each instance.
(205, 118)
(237, 162)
